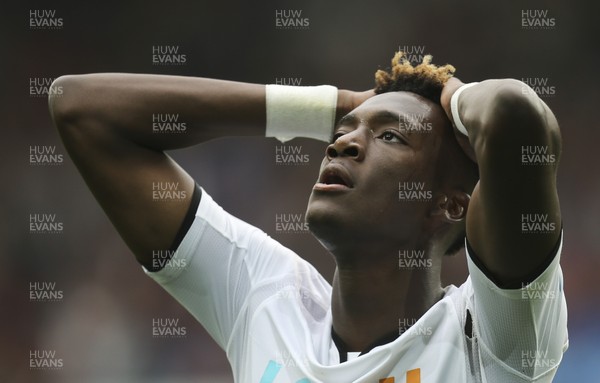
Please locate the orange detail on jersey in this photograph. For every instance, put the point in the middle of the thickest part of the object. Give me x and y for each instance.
(413, 376)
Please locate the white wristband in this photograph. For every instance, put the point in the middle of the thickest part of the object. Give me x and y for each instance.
(454, 108)
(300, 111)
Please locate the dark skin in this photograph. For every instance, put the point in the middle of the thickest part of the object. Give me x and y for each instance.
(501, 117)
(104, 121)
(370, 291)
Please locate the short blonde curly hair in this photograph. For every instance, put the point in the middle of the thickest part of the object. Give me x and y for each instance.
(425, 79)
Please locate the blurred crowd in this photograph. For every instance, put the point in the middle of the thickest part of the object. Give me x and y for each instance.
(102, 328)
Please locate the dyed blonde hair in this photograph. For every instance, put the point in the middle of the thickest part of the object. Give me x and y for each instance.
(425, 79)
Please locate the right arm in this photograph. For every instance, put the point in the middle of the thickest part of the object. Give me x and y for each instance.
(105, 121)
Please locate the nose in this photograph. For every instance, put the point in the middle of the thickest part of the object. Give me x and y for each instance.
(351, 145)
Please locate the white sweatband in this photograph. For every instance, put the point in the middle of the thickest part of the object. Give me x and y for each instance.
(454, 108)
(300, 111)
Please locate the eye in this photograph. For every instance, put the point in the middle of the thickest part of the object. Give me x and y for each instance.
(391, 136)
(336, 136)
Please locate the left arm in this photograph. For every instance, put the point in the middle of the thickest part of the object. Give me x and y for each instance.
(513, 220)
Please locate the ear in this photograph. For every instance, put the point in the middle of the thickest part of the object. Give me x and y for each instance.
(455, 208)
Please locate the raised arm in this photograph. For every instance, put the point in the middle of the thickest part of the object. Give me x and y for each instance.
(116, 128)
(513, 220)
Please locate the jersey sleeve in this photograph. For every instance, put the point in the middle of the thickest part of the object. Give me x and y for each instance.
(521, 332)
(218, 263)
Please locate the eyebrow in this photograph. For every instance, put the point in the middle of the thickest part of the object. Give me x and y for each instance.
(381, 116)
(348, 119)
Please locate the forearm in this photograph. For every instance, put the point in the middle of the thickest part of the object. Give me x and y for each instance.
(501, 117)
(136, 107)
(140, 107)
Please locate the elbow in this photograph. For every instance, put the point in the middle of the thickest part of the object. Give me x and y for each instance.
(64, 100)
(518, 116)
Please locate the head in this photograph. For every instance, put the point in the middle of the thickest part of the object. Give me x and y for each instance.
(394, 175)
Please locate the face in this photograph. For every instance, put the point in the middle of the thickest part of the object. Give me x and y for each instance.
(388, 143)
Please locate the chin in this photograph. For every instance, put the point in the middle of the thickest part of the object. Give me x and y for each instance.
(326, 225)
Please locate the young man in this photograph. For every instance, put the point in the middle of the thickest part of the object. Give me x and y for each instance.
(398, 181)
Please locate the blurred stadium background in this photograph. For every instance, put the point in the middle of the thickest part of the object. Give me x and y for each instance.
(102, 327)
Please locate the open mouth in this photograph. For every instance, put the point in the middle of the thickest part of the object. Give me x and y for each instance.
(334, 178)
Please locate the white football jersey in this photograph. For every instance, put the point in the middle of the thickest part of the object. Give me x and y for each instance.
(270, 311)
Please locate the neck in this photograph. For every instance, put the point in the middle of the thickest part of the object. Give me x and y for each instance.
(372, 296)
